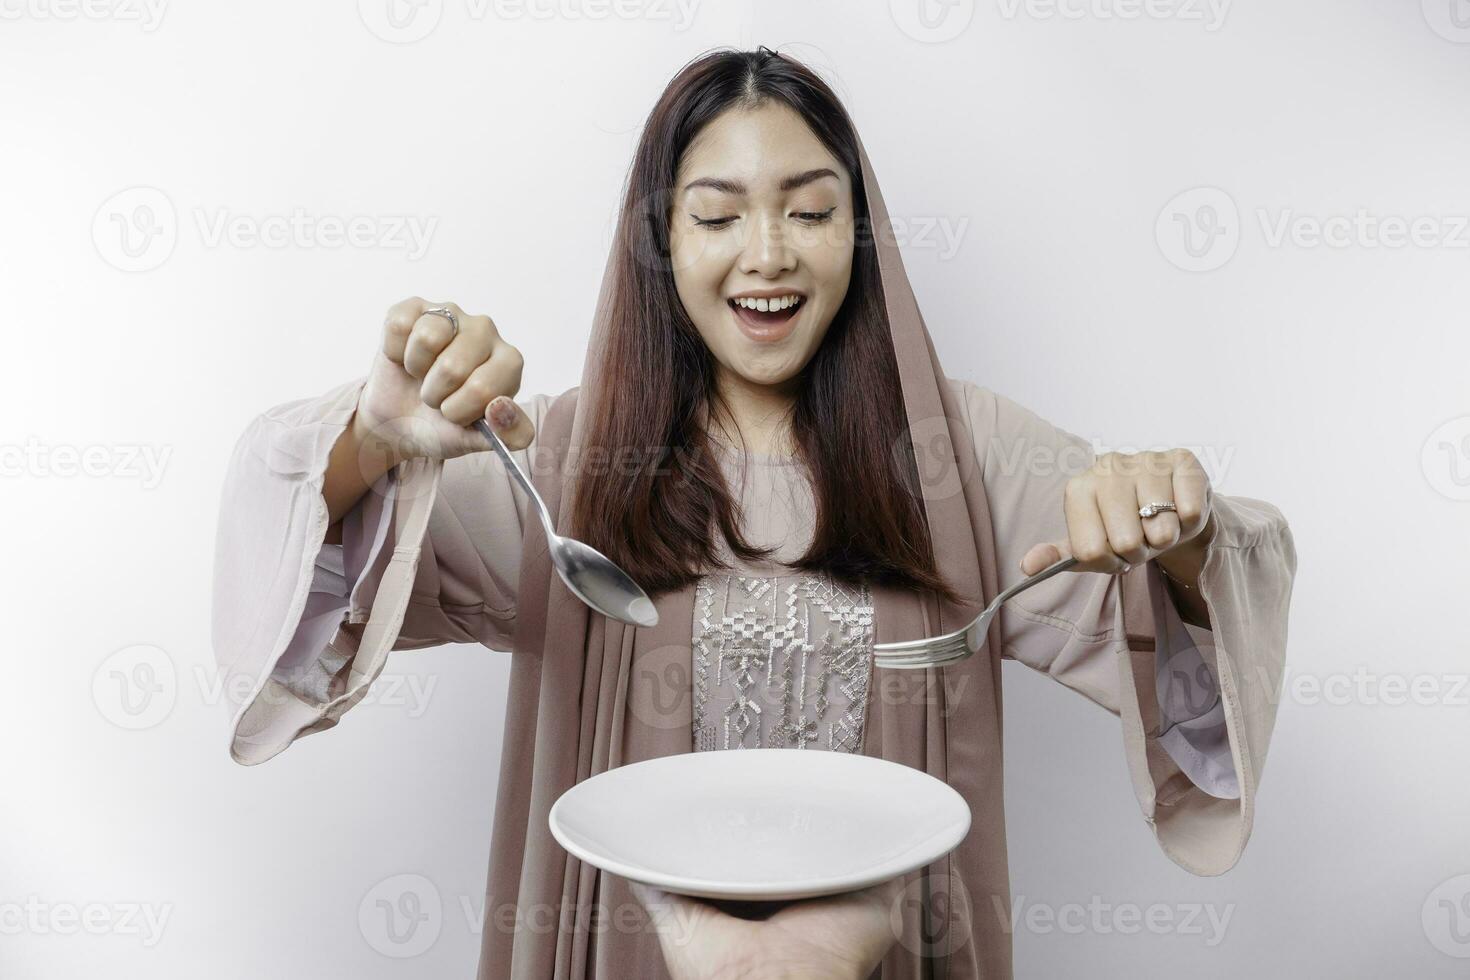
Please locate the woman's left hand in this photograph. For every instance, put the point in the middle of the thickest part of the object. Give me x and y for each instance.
(1104, 529)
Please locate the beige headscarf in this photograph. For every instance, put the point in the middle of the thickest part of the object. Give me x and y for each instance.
(588, 694)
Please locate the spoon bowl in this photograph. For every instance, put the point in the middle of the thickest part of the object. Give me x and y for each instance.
(587, 572)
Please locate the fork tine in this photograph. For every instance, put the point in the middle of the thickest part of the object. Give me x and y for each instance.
(919, 645)
(937, 654)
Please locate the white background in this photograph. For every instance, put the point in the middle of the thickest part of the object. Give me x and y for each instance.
(1053, 141)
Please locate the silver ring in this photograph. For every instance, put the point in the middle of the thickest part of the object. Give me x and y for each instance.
(1159, 507)
(447, 314)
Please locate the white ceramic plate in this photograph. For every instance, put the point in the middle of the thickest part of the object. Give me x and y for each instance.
(760, 824)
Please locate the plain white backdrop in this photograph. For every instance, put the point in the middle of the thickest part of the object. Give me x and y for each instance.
(1237, 227)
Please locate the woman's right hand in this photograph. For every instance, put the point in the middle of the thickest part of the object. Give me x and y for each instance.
(839, 937)
(427, 384)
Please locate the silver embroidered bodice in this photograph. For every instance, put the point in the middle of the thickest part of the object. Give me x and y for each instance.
(781, 658)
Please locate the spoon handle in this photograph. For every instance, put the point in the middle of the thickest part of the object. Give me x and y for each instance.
(484, 429)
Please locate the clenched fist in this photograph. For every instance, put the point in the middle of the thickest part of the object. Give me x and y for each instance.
(428, 383)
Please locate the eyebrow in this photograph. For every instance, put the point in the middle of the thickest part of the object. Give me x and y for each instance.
(731, 186)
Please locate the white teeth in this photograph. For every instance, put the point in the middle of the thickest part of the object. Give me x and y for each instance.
(768, 305)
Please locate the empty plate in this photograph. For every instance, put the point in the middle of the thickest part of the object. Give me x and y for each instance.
(760, 824)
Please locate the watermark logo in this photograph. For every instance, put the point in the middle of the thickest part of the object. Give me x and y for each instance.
(932, 21)
(1450, 19)
(136, 687)
(400, 21)
(401, 916)
(1199, 230)
(136, 229)
(942, 472)
(661, 687)
(1445, 459)
(1446, 917)
(939, 907)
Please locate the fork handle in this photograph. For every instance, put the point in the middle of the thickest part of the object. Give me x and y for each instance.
(1040, 576)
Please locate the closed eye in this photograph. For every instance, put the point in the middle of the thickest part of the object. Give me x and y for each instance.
(711, 222)
(807, 217)
(816, 217)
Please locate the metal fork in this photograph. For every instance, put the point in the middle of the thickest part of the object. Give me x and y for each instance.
(940, 651)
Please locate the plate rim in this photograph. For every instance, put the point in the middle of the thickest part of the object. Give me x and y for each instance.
(706, 888)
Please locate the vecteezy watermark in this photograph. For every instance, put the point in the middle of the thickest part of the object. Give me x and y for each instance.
(1363, 229)
(401, 916)
(1450, 19)
(1445, 458)
(1210, 13)
(100, 461)
(136, 687)
(933, 915)
(407, 21)
(406, 233)
(932, 21)
(1446, 917)
(1200, 229)
(147, 14)
(35, 917)
(400, 21)
(1100, 917)
(1362, 686)
(137, 229)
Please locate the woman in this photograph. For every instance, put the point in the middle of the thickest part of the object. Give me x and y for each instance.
(764, 439)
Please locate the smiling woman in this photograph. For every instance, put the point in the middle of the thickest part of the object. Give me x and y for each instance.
(761, 209)
(812, 483)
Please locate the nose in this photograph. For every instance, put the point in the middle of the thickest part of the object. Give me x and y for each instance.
(766, 252)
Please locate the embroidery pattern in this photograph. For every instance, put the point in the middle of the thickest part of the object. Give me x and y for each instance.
(780, 662)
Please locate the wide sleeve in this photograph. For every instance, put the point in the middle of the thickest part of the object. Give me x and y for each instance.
(301, 629)
(1196, 706)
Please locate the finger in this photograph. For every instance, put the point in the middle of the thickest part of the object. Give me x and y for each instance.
(511, 423)
(431, 333)
(1162, 530)
(499, 376)
(1117, 502)
(1086, 534)
(397, 325)
(468, 350)
(1044, 554)
(1192, 494)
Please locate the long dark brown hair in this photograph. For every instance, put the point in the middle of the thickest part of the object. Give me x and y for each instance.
(657, 385)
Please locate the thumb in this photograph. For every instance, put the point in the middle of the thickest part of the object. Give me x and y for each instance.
(510, 422)
(1044, 554)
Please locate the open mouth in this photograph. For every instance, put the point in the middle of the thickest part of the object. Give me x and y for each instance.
(777, 312)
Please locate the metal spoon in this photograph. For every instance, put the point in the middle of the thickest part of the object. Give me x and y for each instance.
(587, 572)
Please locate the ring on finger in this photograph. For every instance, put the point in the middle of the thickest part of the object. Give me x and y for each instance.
(1157, 507)
(447, 314)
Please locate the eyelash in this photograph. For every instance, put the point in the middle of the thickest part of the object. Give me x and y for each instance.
(809, 217)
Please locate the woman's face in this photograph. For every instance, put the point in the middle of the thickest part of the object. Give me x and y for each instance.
(761, 209)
